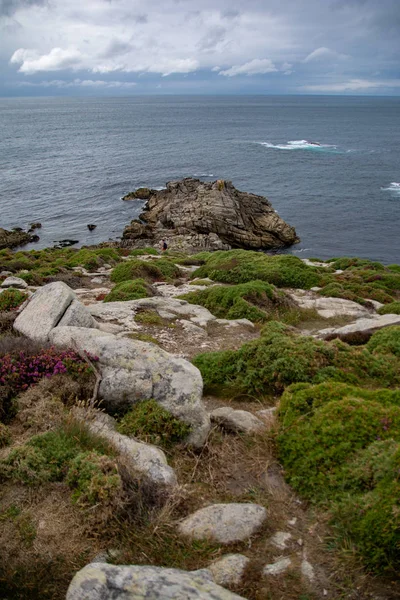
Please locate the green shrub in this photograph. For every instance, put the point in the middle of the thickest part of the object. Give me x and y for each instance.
(205, 282)
(129, 290)
(94, 479)
(157, 270)
(256, 300)
(11, 299)
(390, 309)
(5, 435)
(279, 357)
(143, 251)
(385, 341)
(241, 266)
(150, 422)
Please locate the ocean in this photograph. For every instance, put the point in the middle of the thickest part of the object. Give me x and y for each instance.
(329, 165)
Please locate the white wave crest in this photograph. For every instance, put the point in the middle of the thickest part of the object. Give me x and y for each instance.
(393, 187)
(301, 145)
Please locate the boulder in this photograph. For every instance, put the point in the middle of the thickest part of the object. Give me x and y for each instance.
(100, 581)
(237, 420)
(140, 460)
(14, 282)
(132, 371)
(209, 215)
(278, 567)
(229, 569)
(280, 539)
(364, 327)
(329, 307)
(224, 523)
(44, 311)
(16, 237)
(77, 315)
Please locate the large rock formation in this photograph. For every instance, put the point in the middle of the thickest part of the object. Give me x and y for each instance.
(191, 214)
(16, 237)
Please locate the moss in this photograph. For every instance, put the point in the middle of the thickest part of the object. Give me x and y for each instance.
(144, 337)
(393, 308)
(241, 266)
(129, 290)
(149, 317)
(11, 299)
(279, 357)
(151, 423)
(94, 479)
(205, 282)
(157, 270)
(386, 341)
(143, 251)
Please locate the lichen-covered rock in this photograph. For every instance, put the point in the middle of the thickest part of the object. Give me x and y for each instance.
(14, 282)
(132, 371)
(140, 460)
(229, 569)
(224, 523)
(278, 567)
(99, 581)
(216, 209)
(329, 307)
(237, 420)
(364, 327)
(77, 315)
(44, 311)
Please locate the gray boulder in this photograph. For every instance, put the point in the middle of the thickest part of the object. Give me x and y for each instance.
(224, 523)
(237, 420)
(77, 315)
(14, 282)
(361, 326)
(132, 371)
(99, 581)
(229, 569)
(44, 311)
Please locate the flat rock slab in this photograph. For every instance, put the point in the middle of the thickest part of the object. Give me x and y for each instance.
(229, 569)
(132, 371)
(363, 326)
(237, 420)
(44, 311)
(140, 460)
(224, 523)
(99, 581)
(329, 307)
(278, 567)
(14, 282)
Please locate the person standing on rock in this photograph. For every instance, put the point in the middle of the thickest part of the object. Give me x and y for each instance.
(164, 246)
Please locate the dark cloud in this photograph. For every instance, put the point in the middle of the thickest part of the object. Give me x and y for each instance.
(9, 7)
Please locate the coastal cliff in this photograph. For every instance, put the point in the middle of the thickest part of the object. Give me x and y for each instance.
(191, 214)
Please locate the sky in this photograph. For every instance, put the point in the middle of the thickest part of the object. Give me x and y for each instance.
(124, 47)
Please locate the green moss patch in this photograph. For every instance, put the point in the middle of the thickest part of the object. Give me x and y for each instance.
(129, 290)
(386, 341)
(393, 308)
(157, 270)
(151, 423)
(11, 299)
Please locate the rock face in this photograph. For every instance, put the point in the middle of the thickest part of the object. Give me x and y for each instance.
(140, 460)
(48, 306)
(99, 581)
(133, 371)
(192, 213)
(224, 523)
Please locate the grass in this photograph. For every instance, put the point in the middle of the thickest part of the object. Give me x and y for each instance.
(393, 308)
(129, 290)
(144, 251)
(149, 317)
(11, 299)
(158, 270)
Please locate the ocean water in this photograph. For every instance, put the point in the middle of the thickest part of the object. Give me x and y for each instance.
(329, 165)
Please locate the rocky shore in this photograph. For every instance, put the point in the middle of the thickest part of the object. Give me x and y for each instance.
(208, 426)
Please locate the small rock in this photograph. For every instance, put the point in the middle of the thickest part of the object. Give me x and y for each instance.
(268, 415)
(97, 280)
(14, 282)
(91, 227)
(278, 567)
(5, 273)
(107, 266)
(292, 522)
(224, 523)
(229, 569)
(281, 539)
(237, 420)
(193, 329)
(307, 570)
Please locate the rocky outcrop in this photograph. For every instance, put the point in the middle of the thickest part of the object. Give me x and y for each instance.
(361, 327)
(224, 523)
(16, 237)
(191, 214)
(99, 581)
(133, 371)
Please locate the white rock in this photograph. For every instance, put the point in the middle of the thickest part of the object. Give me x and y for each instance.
(193, 329)
(280, 539)
(14, 282)
(98, 280)
(44, 311)
(5, 273)
(377, 305)
(100, 581)
(133, 370)
(268, 415)
(229, 569)
(278, 567)
(237, 420)
(329, 307)
(139, 459)
(224, 523)
(307, 570)
(366, 326)
(77, 315)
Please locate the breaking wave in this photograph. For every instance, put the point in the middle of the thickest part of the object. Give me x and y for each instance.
(393, 187)
(302, 145)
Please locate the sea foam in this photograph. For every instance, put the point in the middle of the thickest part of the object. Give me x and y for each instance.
(302, 145)
(393, 187)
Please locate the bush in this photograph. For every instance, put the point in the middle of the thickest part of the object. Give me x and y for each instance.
(144, 251)
(279, 357)
(151, 423)
(11, 299)
(94, 479)
(390, 309)
(129, 290)
(158, 270)
(255, 300)
(385, 341)
(241, 266)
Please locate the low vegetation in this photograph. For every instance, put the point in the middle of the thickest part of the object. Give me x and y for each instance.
(157, 270)
(129, 290)
(11, 299)
(393, 308)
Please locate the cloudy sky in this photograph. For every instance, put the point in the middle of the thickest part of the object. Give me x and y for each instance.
(86, 47)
